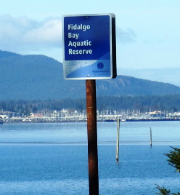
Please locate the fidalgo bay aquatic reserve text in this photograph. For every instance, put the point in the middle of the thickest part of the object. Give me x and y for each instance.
(75, 36)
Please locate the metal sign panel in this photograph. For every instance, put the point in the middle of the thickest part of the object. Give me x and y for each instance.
(89, 44)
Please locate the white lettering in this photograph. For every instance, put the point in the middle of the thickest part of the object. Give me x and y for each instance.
(70, 43)
(78, 27)
(81, 51)
(80, 43)
(73, 36)
(70, 51)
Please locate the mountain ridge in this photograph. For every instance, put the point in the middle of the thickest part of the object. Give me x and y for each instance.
(38, 77)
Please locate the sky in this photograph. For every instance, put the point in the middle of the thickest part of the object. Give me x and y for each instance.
(147, 31)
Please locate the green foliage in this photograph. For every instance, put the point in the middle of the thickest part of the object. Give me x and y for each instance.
(174, 160)
(163, 191)
(25, 107)
(142, 103)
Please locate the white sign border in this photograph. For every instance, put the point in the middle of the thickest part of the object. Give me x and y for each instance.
(111, 16)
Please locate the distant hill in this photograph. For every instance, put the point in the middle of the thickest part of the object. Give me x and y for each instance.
(38, 77)
(166, 75)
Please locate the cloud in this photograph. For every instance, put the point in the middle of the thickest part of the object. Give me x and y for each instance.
(125, 36)
(22, 33)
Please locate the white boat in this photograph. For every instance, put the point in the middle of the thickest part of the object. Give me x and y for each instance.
(1, 120)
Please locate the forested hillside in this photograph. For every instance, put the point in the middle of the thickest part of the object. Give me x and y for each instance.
(142, 103)
(37, 77)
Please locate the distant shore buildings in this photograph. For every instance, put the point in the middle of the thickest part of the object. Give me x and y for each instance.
(68, 115)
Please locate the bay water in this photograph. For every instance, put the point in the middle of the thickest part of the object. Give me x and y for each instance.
(52, 158)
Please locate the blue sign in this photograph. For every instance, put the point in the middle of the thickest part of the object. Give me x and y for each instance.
(88, 46)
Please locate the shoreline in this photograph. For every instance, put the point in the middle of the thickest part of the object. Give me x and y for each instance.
(69, 121)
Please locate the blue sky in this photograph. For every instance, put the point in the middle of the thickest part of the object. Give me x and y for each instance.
(148, 31)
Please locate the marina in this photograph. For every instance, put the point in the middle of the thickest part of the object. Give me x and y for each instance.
(81, 116)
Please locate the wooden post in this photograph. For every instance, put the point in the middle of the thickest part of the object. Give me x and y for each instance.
(150, 137)
(92, 137)
(117, 143)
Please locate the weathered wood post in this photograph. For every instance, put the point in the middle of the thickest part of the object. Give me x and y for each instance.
(92, 137)
(150, 137)
(117, 143)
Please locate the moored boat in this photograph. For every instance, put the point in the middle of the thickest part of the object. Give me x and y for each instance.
(1, 120)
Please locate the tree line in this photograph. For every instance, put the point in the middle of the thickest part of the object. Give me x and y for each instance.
(142, 103)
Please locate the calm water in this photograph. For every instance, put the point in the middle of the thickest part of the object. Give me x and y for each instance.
(51, 159)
